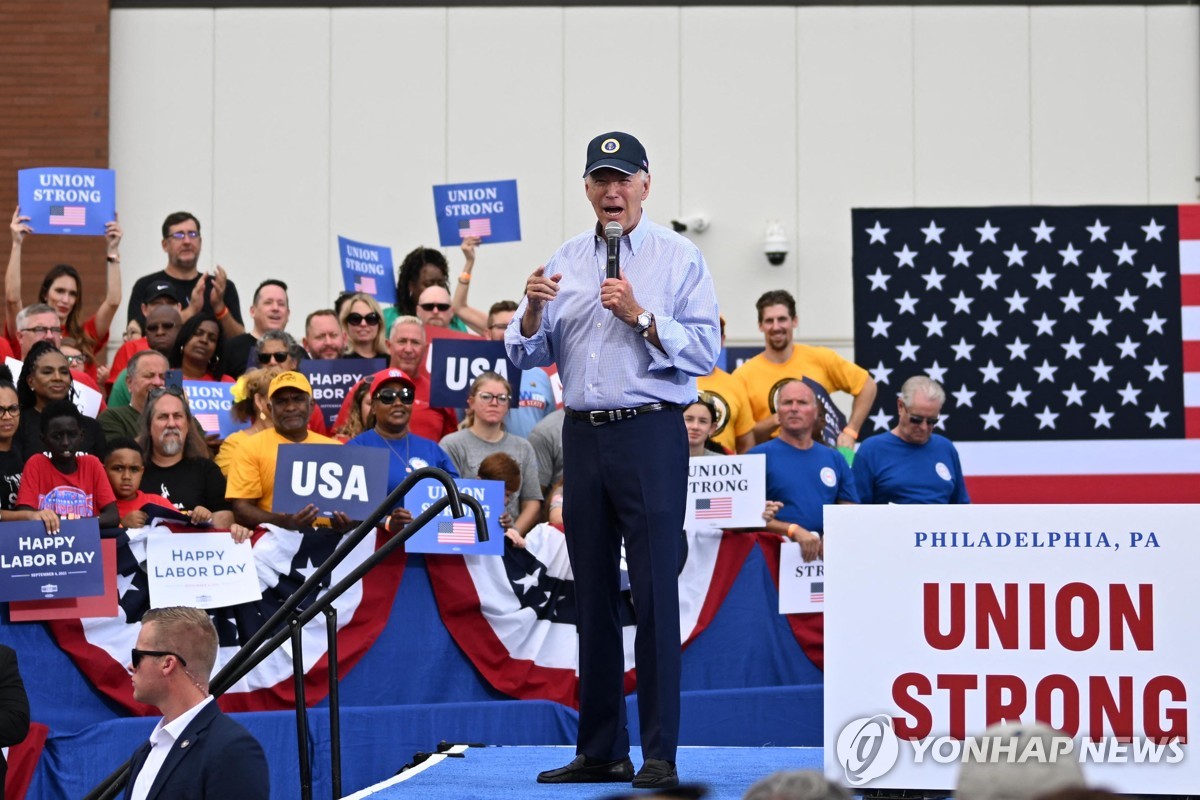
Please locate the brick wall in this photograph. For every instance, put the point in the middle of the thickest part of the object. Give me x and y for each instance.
(54, 94)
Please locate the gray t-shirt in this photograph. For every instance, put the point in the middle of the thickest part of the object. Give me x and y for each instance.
(467, 450)
(546, 438)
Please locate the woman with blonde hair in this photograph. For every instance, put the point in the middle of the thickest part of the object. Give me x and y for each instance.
(362, 322)
(249, 405)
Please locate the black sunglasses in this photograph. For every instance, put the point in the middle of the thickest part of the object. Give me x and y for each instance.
(137, 656)
(435, 306)
(280, 357)
(159, 391)
(358, 319)
(389, 396)
(917, 419)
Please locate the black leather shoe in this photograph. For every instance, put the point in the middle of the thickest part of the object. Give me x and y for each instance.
(586, 770)
(656, 774)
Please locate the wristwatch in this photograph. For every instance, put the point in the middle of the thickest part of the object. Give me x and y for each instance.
(644, 321)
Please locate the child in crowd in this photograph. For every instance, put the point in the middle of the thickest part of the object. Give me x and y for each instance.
(502, 467)
(124, 466)
(69, 483)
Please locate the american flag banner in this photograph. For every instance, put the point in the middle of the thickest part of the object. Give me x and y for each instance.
(365, 284)
(714, 507)
(68, 215)
(456, 533)
(211, 423)
(1067, 339)
(475, 227)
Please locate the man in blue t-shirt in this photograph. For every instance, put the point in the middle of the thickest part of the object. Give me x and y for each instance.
(911, 464)
(803, 474)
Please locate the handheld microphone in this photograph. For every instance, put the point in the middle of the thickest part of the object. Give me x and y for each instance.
(613, 232)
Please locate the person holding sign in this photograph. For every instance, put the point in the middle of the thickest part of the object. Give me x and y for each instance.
(251, 487)
(910, 463)
(62, 290)
(484, 434)
(362, 322)
(69, 483)
(629, 349)
(195, 750)
(803, 473)
(392, 393)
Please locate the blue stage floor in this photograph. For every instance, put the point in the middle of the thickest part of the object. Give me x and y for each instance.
(496, 773)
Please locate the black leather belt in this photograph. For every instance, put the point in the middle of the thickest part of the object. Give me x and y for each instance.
(603, 417)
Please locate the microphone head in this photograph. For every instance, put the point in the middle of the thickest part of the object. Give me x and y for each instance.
(613, 230)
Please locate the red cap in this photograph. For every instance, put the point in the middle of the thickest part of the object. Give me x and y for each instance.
(385, 375)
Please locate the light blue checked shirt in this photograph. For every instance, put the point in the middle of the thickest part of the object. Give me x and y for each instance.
(604, 364)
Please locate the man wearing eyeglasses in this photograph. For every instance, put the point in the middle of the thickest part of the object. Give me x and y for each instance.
(212, 292)
(36, 323)
(195, 750)
(911, 464)
(433, 306)
(803, 473)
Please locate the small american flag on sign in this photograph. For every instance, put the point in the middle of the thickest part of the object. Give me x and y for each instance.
(365, 284)
(714, 507)
(816, 592)
(210, 422)
(456, 533)
(474, 227)
(68, 215)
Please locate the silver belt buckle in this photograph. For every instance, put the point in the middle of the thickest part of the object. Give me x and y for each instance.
(598, 418)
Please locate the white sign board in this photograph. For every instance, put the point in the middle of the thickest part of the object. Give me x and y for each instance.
(801, 583)
(204, 570)
(946, 619)
(726, 491)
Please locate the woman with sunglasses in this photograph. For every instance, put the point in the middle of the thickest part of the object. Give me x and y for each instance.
(46, 378)
(62, 290)
(197, 350)
(278, 349)
(392, 393)
(483, 434)
(362, 322)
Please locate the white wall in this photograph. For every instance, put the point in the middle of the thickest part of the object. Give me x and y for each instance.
(281, 129)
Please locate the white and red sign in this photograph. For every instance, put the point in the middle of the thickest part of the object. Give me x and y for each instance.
(947, 619)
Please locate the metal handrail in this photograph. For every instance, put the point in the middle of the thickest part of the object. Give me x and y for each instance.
(263, 643)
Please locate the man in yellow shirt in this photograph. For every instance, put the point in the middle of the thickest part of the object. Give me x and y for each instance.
(251, 486)
(783, 360)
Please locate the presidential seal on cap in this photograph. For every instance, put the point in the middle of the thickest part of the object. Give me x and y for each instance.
(385, 375)
(289, 380)
(616, 150)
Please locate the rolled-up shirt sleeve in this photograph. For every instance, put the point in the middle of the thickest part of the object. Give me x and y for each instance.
(691, 335)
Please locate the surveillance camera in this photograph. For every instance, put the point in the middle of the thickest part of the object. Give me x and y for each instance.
(775, 245)
(695, 223)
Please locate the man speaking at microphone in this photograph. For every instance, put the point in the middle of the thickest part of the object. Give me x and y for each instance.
(629, 349)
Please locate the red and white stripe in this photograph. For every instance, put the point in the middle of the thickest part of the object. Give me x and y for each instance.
(1189, 279)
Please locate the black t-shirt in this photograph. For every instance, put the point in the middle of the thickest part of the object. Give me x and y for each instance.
(11, 466)
(183, 288)
(190, 483)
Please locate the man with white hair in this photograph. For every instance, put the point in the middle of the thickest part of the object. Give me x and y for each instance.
(911, 464)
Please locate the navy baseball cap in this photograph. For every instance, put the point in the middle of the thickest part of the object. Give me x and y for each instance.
(618, 151)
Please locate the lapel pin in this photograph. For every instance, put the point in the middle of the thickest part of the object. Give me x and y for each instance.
(184, 743)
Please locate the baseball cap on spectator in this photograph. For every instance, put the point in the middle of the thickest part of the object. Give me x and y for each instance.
(393, 374)
(162, 289)
(289, 380)
(618, 151)
(1019, 778)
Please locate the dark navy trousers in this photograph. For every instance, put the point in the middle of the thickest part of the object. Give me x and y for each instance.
(626, 480)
